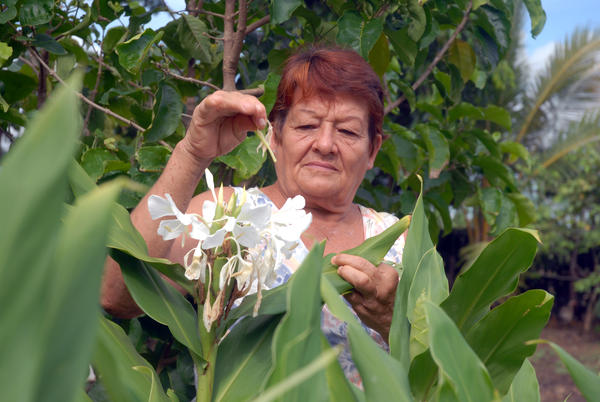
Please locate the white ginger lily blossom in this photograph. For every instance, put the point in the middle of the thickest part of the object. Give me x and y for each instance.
(259, 239)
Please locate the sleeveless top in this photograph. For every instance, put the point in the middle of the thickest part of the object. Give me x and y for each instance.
(334, 329)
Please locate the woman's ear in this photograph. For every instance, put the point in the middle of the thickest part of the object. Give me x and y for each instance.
(375, 146)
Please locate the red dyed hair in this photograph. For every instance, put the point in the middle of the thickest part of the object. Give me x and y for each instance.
(328, 71)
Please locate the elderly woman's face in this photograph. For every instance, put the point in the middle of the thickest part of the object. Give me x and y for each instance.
(324, 149)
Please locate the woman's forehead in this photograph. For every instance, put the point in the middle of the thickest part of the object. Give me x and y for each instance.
(342, 106)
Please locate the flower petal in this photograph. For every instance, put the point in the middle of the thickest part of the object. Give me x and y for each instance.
(214, 240)
(170, 229)
(159, 207)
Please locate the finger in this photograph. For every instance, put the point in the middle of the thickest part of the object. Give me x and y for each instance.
(355, 261)
(231, 103)
(389, 278)
(360, 280)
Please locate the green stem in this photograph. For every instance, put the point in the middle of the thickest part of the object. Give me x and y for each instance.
(206, 369)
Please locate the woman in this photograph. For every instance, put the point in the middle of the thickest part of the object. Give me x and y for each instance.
(327, 122)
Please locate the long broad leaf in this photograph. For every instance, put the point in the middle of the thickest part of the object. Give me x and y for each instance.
(372, 249)
(525, 386)
(117, 365)
(77, 270)
(587, 382)
(493, 275)
(499, 339)
(429, 282)
(160, 300)
(456, 360)
(32, 178)
(381, 380)
(123, 235)
(297, 340)
(418, 242)
(244, 358)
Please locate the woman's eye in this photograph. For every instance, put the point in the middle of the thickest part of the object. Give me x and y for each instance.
(306, 127)
(348, 132)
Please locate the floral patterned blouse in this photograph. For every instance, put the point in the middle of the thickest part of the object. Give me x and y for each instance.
(335, 330)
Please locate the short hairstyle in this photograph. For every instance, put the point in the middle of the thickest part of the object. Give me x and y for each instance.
(328, 71)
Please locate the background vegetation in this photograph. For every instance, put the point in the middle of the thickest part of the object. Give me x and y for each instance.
(493, 150)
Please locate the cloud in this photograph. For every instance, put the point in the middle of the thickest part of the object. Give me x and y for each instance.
(538, 57)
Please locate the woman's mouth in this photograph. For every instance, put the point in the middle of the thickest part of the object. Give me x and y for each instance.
(319, 165)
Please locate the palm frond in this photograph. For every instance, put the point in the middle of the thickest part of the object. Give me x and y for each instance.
(570, 81)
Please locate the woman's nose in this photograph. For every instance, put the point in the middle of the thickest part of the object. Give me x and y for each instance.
(325, 140)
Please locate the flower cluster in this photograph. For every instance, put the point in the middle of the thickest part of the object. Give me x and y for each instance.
(239, 239)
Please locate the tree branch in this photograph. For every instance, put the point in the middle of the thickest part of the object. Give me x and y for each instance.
(83, 98)
(187, 79)
(257, 24)
(436, 59)
(233, 41)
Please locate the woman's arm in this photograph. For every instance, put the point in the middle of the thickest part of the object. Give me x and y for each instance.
(219, 123)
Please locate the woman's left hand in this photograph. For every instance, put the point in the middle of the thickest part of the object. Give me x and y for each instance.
(374, 290)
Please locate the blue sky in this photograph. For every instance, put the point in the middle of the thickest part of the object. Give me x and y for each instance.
(562, 17)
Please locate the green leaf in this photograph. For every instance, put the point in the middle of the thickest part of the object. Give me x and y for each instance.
(437, 146)
(36, 12)
(17, 86)
(373, 250)
(166, 113)
(537, 15)
(299, 376)
(340, 389)
(456, 360)
(133, 52)
(9, 13)
(495, 171)
(515, 150)
(152, 158)
(404, 47)
(49, 43)
(525, 385)
(156, 394)
(429, 283)
(281, 10)
(371, 32)
(193, 35)
(525, 208)
(418, 243)
(586, 381)
(33, 182)
(500, 338)
(465, 109)
(245, 158)
(418, 20)
(379, 56)
(386, 378)
(5, 52)
(5, 106)
(349, 30)
(494, 274)
(114, 361)
(498, 115)
(77, 270)
(269, 96)
(95, 162)
(461, 54)
(244, 358)
(297, 340)
(160, 300)
(113, 37)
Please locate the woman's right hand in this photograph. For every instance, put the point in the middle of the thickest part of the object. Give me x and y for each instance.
(220, 123)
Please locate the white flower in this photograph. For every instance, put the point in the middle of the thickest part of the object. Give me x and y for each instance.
(196, 270)
(170, 228)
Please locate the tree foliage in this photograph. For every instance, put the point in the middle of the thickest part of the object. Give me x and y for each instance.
(146, 66)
